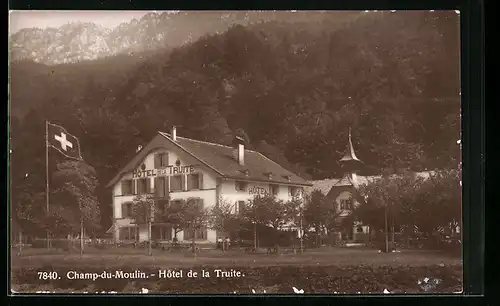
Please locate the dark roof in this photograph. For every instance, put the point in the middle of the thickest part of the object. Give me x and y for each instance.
(220, 159)
(322, 185)
(326, 185)
(350, 155)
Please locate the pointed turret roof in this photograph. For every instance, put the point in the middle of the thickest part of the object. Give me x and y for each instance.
(350, 155)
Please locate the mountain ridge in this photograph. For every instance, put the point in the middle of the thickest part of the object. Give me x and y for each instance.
(83, 41)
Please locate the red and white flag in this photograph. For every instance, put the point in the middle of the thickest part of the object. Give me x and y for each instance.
(59, 139)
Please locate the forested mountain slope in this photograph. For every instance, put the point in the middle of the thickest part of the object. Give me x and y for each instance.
(294, 89)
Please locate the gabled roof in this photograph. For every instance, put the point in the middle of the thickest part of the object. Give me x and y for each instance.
(220, 159)
(322, 185)
(326, 185)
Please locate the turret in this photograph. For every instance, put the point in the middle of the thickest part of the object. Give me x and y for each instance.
(350, 162)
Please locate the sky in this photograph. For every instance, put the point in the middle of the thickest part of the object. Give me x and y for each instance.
(43, 19)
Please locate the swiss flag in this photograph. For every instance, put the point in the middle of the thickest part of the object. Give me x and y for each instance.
(59, 139)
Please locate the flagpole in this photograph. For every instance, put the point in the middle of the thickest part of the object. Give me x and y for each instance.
(47, 176)
(81, 234)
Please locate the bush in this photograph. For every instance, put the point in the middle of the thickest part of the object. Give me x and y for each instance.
(39, 244)
(100, 246)
(63, 244)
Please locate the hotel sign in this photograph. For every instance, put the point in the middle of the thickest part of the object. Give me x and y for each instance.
(259, 190)
(167, 171)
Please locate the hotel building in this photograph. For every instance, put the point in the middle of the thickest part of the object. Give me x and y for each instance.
(181, 168)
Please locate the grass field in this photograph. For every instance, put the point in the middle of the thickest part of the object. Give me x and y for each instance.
(323, 256)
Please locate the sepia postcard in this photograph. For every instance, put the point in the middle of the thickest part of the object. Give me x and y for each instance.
(235, 152)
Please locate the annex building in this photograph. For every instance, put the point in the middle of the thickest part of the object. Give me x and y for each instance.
(183, 168)
(343, 192)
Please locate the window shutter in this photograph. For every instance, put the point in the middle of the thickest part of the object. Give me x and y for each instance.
(157, 189)
(139, 186)
(200, 183)
(200, 204)
(149, 189)
(183, 182)
(157, 161)
(124, 210)
(163, 186)
(134, 187)
(165, 163)
(167, 185)
(124, 188)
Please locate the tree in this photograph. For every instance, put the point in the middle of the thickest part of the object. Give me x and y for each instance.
(74, 200)
(174, 213)
(295, 216)
(27, 173)
(429, 202)
(384, 201)
(266, 210)
(223, 218)
(196, 217)
(319, 213)
(144, 210)
(438, 202)
(241, 133)
(27, 207)
(74, 204)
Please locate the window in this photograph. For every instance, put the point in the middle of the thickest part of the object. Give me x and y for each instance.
(143, 186)
(292, 191)
(161, 187)
(161, 160)
(274, 189)
(127, 187)
(176, 203)
(200, 234)
(240, 206)
(241, 186)
(161, 232)
(129, 233)
(193, 181)
(127, 210)
(198, 202)
(176, 183)
(345, 204)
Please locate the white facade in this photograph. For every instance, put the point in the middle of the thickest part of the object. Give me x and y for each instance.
(212, 187)
(345, 203)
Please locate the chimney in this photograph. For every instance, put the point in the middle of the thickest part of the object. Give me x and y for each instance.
(173, 135)
(241, 154)
(239, 150)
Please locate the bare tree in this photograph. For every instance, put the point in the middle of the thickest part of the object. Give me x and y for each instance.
(223, 217)
(144, 210)
(195, 217)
